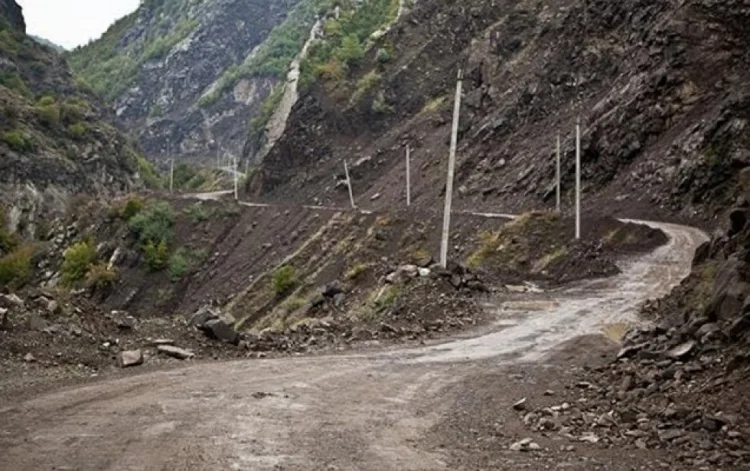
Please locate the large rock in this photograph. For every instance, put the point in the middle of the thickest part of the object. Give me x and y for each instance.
(222, 329)
(730, 291)
(129, 358)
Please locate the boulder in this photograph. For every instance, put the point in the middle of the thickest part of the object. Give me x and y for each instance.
(203, 315)
(222, 329)
(175, 352)
(738, 327)
(11, 301)
(729, 292)
(129, 358)
(737, 221)
(681, 351)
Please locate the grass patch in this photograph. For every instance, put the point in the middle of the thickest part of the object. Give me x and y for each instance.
(100, 276)
(18, 140)
(356, 271)
(434, 105)
(197, 213)
(364, 85)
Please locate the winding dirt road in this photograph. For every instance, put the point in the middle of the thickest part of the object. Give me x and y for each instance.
(351, 412)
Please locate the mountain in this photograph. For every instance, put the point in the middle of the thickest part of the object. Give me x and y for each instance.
(48, 43)
(663, 108)
(56, 140)
(188, 76)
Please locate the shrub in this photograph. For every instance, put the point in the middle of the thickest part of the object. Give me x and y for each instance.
(49, 115)
(13, 81)
(99, 276)
(157, 254)
(365, 84)
(76, 261)
(178, 265)
(383, 56)
(17, 141)
(77, 130)
(15, 268)
(133, 206)
(284, 280)
(73, 110)
(380, 104)
(197, 213)
(153, 224)
(46, 100)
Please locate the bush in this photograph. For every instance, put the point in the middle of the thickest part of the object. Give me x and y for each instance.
(133, 206)
(154, 223)
(284, 280)
(383, 56)
(178, 265)
(77, 130)
(156, 254)
(15, 268)
(99, 276)
(49, 115)
(17, 141)
(76, 261)
(380, 105)
(364, 85)
(197, 213)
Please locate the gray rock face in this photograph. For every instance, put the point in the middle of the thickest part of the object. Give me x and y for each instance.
(174, 101)
(10, 10)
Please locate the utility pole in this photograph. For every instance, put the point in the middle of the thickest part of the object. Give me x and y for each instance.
(171, 167)
(558, 206)
(236, 184)
(578, 177)
(408, 176)
(349, 184)
(451, 170)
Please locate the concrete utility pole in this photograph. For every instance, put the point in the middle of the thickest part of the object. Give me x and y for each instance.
(451, 170)
(558, 206)
(236, 178)
(408, 176)
(578, 177)
(171, 167)
(349, 184)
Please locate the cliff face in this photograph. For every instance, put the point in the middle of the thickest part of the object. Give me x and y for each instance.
(657, 85)
(55, 140)
(191, 74)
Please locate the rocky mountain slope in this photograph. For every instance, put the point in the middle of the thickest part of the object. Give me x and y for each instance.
(190, 75)
(55, 139)
(657, 86)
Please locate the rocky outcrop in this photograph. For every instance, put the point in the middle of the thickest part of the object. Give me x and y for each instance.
(193, 83)
(55, 139)
(10, 11)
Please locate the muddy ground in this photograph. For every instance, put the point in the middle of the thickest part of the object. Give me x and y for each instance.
(422, 407)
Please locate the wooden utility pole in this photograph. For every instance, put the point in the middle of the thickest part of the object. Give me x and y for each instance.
(408, 176)
(558, 206)
(451, 170)
(349, 184)
(578, 177)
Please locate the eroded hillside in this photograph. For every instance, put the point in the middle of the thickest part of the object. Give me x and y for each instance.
(657, 86)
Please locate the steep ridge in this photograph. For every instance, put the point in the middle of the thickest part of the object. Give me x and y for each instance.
(662, 132)
(55, 139)
(189, 75)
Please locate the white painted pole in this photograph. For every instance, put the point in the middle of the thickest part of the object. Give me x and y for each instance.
(349, 184)
(408, 176)
(451, 170)
(236, 180)
(171, 167)
(578, 178)
(558, 206)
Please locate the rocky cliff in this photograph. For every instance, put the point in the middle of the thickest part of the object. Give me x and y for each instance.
(55, 140)
(657, 85)
(189, 75)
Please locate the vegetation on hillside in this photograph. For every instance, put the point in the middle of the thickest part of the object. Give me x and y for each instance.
(110, 69)
(346, 40)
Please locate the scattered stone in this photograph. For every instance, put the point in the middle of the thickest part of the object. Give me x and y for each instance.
(129, 358)
(670, 434)
(175, 352)
(36, 322)
(589, 437)
(527, 444)
(549, 392)
(29, 358)
(222, 329)
(520, 405)
(681, 351)
(261, 395)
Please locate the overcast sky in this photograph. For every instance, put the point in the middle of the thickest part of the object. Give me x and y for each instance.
(71, 23)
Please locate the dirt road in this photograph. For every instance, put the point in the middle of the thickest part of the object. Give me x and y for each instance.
(372, 411)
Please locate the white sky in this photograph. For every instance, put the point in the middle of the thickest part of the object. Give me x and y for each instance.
(71, 23)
